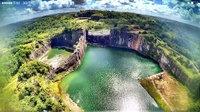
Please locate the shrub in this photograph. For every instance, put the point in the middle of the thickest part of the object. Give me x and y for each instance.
(31, 69)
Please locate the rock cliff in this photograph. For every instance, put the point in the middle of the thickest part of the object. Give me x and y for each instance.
(74, 60)
(166, 63)
(67, 39)
(74, 41)
(98, 37)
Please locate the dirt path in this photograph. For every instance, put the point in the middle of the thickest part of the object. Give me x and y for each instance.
(15, 80)
(195, 67)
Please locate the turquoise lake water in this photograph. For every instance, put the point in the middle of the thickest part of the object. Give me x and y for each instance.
(107, 80)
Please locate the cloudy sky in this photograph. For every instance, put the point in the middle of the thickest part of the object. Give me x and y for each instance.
(187, 11)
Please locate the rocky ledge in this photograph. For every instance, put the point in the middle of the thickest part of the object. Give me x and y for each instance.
(74, 41)
(75, 59)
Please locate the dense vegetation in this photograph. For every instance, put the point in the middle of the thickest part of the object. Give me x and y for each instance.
(34, 90)
(32, 68)
(19, 46)
(35, 93)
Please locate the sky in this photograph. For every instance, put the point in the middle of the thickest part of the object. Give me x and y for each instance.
(187, 11)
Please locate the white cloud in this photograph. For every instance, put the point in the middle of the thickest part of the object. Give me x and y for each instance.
(40, 5)
(180, 11)
(29, 11)
(88, 1)
(198, 4)
(167, 2)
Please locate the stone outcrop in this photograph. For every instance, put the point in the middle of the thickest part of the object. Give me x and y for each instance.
(120, 38)
(74, 41)
(116, 38)
(74, 60)
(98, 37)
(67, 39)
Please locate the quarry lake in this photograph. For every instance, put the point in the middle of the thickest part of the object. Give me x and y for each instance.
(107, 80)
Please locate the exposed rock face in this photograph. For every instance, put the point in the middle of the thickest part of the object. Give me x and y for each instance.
(120, 38)
(124, 39)
(116, 38)
(136, 41)
(99, 37)
(64, 41)
(67, 39)
(75, 59)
